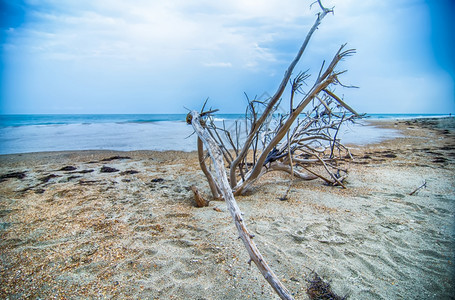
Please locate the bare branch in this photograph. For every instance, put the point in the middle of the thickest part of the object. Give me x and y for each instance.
(321, 84)
(257, 125)
(222, 183)
(424, 185)
(208, 175)
(342, 103)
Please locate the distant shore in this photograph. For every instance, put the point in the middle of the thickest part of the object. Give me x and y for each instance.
(122, 224)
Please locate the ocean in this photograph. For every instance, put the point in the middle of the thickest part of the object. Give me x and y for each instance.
(127, 132)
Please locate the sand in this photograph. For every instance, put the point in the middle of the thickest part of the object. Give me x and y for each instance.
(122, 225)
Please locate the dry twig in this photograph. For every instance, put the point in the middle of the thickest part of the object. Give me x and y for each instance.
(424, 185)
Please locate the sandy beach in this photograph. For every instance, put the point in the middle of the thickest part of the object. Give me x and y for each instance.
(123, 225)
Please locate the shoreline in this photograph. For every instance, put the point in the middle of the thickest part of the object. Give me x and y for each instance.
(441, 124)
(156, 136)
(434, 123)
(122, 224)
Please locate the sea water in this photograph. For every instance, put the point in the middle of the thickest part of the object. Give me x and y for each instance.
(127, 132)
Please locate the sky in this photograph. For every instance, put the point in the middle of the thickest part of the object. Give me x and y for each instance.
(149, 56)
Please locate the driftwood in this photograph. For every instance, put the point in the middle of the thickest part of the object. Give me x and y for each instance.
(200, 201)
(223, 186)
(424, 185)
(302, 142)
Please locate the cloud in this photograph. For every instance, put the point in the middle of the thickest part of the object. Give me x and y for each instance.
(218, 64)
(148, 29)
(146, 47)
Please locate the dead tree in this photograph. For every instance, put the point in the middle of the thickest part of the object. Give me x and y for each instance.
(302, 142)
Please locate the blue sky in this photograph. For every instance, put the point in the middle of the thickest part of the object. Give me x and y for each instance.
(142, 56)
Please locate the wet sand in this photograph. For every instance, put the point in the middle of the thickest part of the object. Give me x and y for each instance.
(122, 225)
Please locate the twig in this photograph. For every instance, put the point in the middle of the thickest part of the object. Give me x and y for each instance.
(424, 185)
